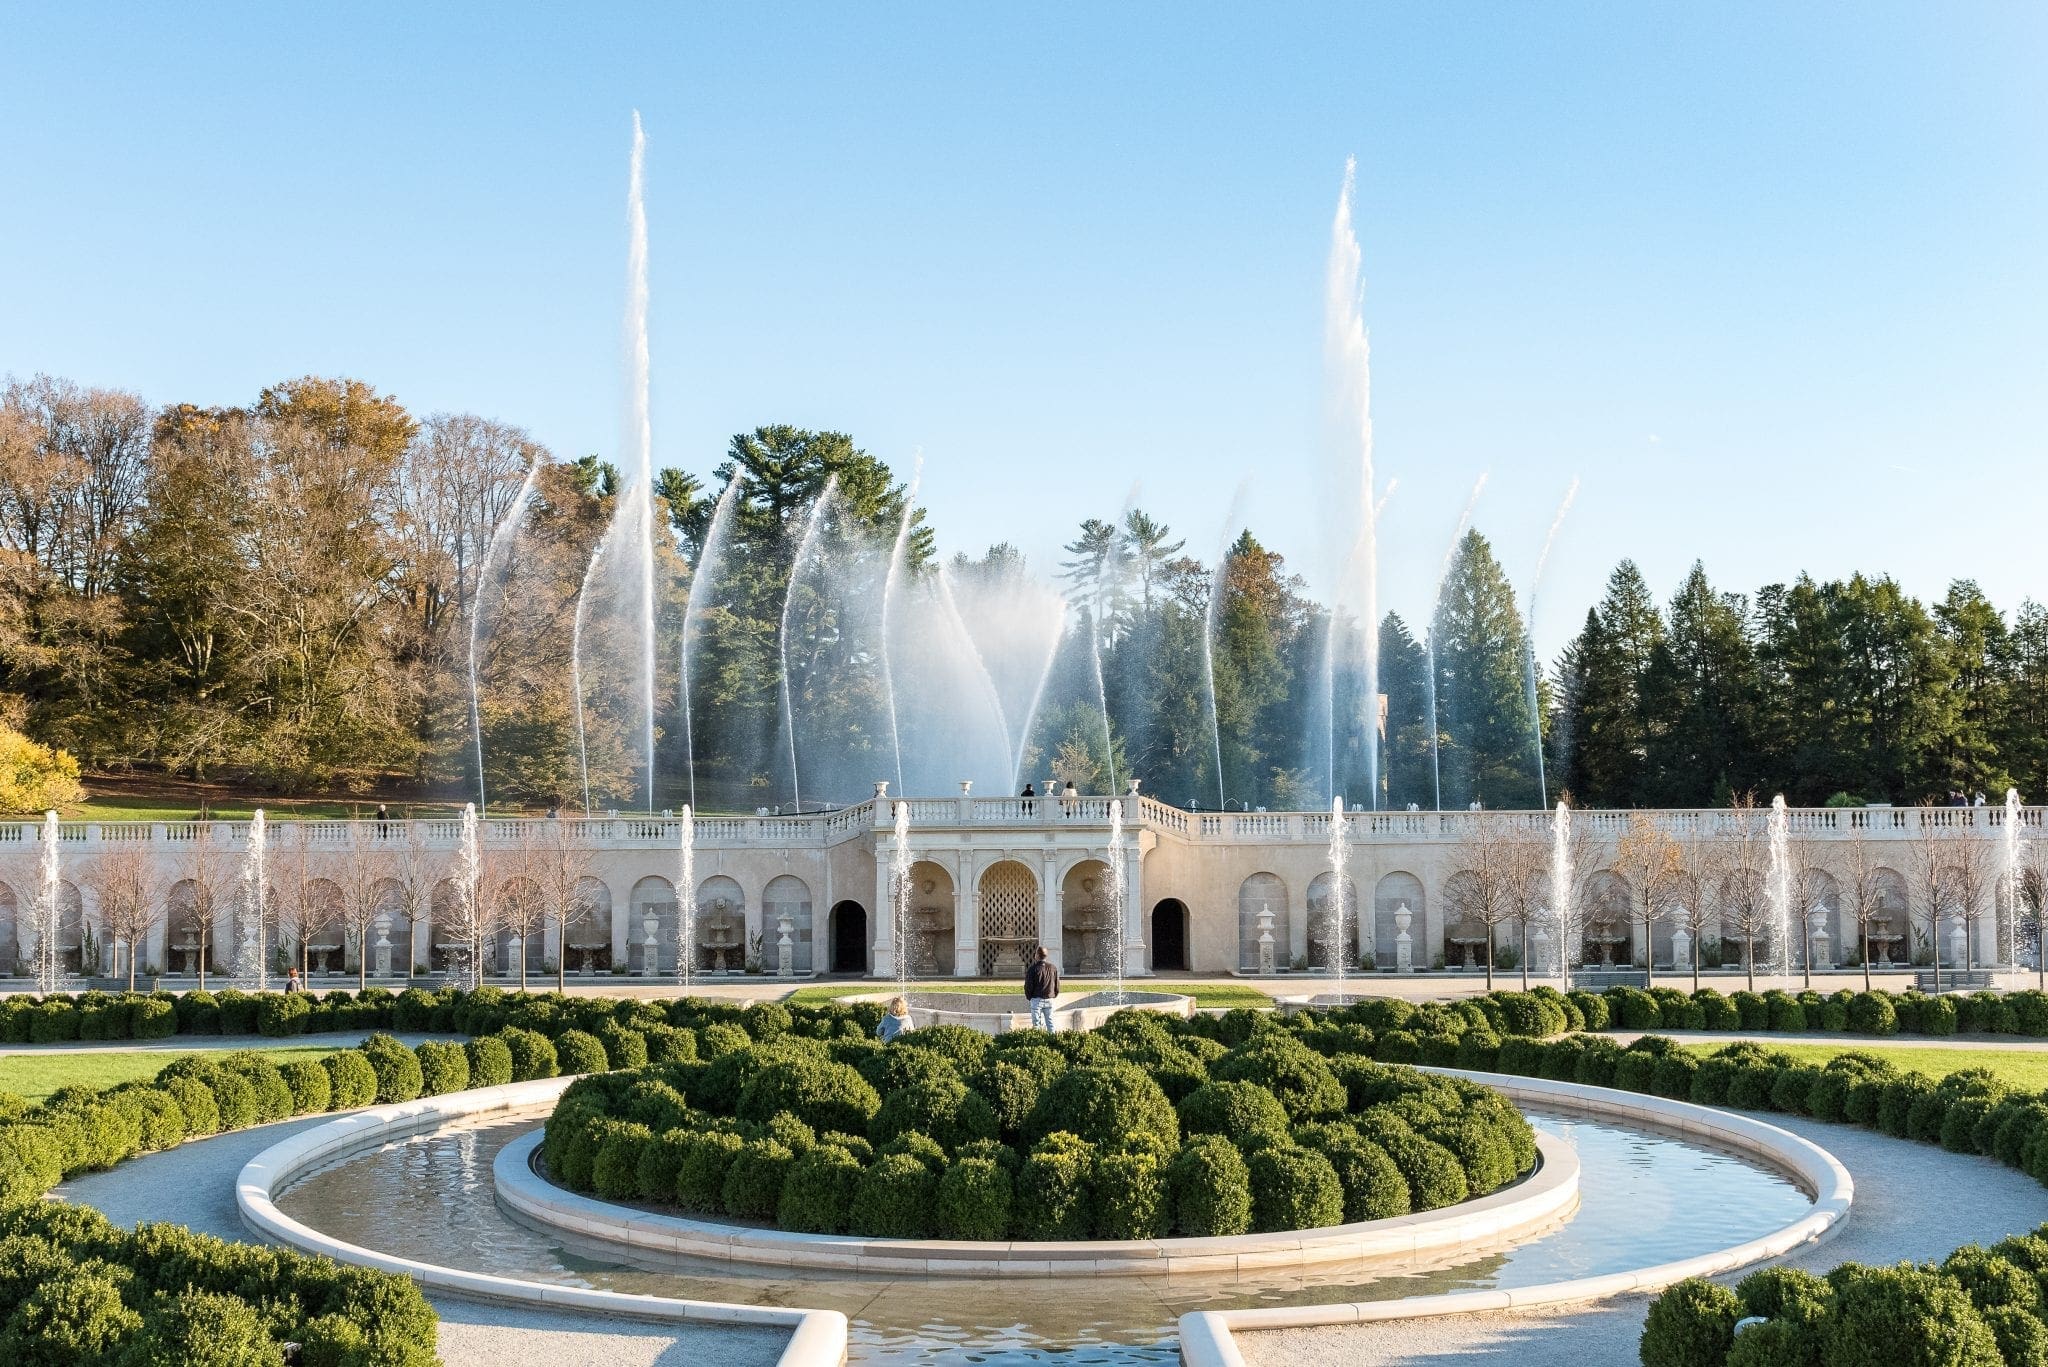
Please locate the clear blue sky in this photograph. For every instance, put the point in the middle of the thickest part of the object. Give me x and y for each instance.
(1772, 278)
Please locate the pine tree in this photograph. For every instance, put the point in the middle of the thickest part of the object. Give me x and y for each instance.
(1612, 724)
(1482, 703)
(1701, 686)
(1404, 680)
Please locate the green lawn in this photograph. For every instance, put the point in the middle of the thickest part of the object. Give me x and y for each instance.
(1205, 994)
(35, 1076)
(2023, 1068)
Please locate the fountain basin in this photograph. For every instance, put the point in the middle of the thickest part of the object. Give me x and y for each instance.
(996, 1013)
(1545, 1197)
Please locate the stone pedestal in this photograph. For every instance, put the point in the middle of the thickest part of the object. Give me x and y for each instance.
(1681, 948)
(1822, 958)
(515, 947)
(380, 955)
(1266, 947)
(1404, 943)
(1539, 951)
(1958, 945)
(785, 945)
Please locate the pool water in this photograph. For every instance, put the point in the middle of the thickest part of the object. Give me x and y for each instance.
(1646, 1197)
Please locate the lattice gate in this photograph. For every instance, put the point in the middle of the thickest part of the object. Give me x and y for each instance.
(1009, 919)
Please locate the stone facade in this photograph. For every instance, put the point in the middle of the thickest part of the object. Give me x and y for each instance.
(1204, 892)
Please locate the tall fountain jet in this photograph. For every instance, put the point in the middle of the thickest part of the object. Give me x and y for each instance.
(1563, 912)
(1778, 889)
(806, 549)
(469, 873)
(1354, 540)
(252, 966)
(686, 894)
(1119, 894)
(2012, 837)
(641, 432)
(500, 535)
(710, 560)
(49, 907)
(1340, 858)
(899, 894)
(1529, 642)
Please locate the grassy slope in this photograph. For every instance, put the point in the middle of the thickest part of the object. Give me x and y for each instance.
(1205, 994)
(35, 1076)
(2026, 1069)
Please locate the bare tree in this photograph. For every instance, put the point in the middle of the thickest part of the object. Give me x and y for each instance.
(295, 906)
(1696, 887)
(2032, 896)
(1480, 887)
(1969, 881)
(1526, 854)
(522, 901)
(561, 862)
(360, 871)
(1649, 859)
(128, 883)
(1745, 884)
(1933, 889)
(211, 879)
(1865, 892)
(416, 868)
(1812, 879)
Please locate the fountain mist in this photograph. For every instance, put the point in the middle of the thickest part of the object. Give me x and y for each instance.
(1563, 913)
(708, 557)
(805, 548)
(1118, 894)
(576, 669)
(686, 893)
(899, 888)
(889, 577)
(1436, 602)
(252, 964)
(470, 871)
(1340, 858)
(1779, 887)
(506, 528)
(1529, 642)
(49, 907)
(2012, 836)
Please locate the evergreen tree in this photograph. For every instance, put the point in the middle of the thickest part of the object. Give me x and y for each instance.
(2022, 732)
(1404, 681)
(1611, 721)
(1701, 685)
(1973, 649)
(1482, 705)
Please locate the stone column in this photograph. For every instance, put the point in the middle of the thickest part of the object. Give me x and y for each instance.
(1049, 909)
(1137, 963)
(967, 917)
(882, 930)
(622, 931)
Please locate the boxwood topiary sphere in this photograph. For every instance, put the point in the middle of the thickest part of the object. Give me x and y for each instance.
(1112, 1104)
(817, 1191)
(753, 1180)
(974, 1200)
(352, 1081)
(397, 1069)
(312, 1089)
(896, 1198)
(490, 1062)
(822, 1094)
(1690, 1325)
(1131, 1196)
(615, 1165)
(1011, 1093)
(1210, 1187)
(75, 1316)
(700, 1181)
(580, 1052)
(623, 1047)
(1052, 1200)
(1233, 1109)
(444, 1067)
(1294, 1074)
(1293, 1188)
(1922, 1320)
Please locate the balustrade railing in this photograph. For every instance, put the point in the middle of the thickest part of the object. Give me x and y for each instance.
(821, 829)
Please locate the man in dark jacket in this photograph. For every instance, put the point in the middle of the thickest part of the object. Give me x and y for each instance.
(1041, 985)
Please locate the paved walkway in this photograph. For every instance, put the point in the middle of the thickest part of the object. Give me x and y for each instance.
(1767, 1038)
(193, 1185)
(199, 1044)
(1913, 1201)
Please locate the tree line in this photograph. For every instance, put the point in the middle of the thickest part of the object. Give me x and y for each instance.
(283, 594)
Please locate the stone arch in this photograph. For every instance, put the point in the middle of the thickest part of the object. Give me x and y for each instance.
(1822, 897)
(721, 925)
(1088, 918)
(1607, 925)
(1890, 919)
(1167, 946)
(933, 912)
(320, 928)
(653, 896)
(1322, 911)
(1262, 892)
(788, 895)
(1463, 943)
(1393, 892)
(586, 942)
(1009, 918)
(189, 928)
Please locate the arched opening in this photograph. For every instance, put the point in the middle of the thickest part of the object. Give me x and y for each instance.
(1889, 924)
(786, 898)
(586, 941)
(1323, 910)
(1088, 929)
(320, 928)
(849, 932)
(1262, 924)
(391, 949)
(1396, 892)
(1609, 920)
(654, 919)
(721, 926)
(1170, 936)
(521, 936)
(930, 950)
(1009, 919)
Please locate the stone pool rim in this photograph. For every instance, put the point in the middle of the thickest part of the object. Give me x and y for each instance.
(1206, 1335)
(817, 1338)
(1537, 1201)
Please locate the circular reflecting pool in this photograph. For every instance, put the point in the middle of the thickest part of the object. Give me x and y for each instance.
(1646, 1197)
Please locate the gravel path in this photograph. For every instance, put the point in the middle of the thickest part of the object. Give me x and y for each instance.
(1913, 1201)
(193, 1185)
